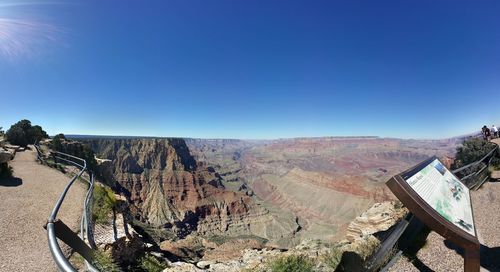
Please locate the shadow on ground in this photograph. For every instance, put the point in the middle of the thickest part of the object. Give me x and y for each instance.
(10, 182)
(490, 256)
(417, 243)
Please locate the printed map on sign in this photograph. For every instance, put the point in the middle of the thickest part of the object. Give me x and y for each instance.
(445, 193)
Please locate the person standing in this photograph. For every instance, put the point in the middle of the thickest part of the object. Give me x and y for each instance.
(486, 133)
(494, 130)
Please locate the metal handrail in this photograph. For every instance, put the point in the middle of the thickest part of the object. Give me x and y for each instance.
(85, 224)
(473, 176)
(476, 162)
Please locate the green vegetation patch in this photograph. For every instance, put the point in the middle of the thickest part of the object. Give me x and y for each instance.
(332, 259)
(104, 204)
(104, 262)
(471, 150)
(291, 263)
(150, 263)
(221, 239)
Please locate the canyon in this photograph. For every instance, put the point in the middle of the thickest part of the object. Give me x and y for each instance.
(324, 182)
(200, 198)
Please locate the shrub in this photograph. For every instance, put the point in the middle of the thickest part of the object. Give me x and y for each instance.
(150, 263)
(333, 258)
(292, 263)
(56, 144)
(104, 262)
(104, 204)
(59, 136)
(471, 150)
(36, 133)
(495, 163)
(17, 136)
(23, 133)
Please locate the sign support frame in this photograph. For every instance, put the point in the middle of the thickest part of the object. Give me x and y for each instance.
(429, 216)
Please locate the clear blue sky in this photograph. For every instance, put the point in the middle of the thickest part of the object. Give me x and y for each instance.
(251, 69)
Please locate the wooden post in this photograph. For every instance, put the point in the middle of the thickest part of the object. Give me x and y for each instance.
(472, 259)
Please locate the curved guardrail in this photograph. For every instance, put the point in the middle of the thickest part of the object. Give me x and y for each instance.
(86, 230)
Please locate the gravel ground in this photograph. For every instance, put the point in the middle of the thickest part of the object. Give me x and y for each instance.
(440, 255)
(25, 204)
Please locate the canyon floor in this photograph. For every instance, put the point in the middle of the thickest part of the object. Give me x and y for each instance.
(26, 201)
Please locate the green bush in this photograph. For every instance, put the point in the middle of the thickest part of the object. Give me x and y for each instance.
(59, 136)
(23, 133)
(471, 150)
(104, 262)
(104, 204)
(291, 263)
(150, 263)
(17, 136)
(495, 163)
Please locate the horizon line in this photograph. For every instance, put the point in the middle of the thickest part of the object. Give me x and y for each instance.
(76, 135)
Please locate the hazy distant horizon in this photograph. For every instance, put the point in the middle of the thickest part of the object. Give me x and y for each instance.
(53, 131)
(89, 136)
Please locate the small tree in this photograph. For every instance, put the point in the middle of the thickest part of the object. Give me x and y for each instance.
(59, 136)
(17, 136)
(36, 133)
(57, 142)
(23, 133)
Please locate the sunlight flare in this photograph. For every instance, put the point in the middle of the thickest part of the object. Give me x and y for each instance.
(23, 36)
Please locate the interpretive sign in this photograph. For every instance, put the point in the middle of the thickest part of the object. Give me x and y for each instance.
(440, 200)
(445, 193)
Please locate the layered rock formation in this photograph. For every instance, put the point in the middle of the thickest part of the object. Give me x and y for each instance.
(325, 182)
(380, 217)
(169, 189)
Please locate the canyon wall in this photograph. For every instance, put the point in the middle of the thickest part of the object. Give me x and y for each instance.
(169, 189)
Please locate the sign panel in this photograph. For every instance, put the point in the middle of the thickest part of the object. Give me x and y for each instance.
(437, 186)
(440, 200)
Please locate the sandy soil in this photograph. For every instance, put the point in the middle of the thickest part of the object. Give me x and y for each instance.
(25, 204)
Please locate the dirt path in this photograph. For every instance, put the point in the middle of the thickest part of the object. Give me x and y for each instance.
(25, 204)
